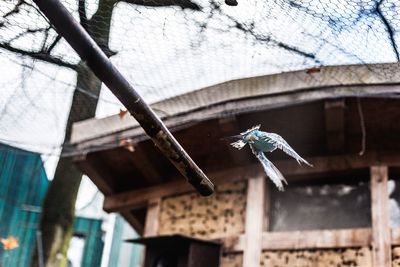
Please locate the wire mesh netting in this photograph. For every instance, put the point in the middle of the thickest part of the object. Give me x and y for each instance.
(169, 47)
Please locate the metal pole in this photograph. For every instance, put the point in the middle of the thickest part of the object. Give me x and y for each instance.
(101, 66)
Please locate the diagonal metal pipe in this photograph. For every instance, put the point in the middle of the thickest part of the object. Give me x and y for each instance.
(101, 66)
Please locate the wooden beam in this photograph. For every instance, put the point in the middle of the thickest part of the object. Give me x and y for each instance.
(297, 240)
(146, 168)
(140, 197)
(132, 220)
(338, 163)
(152, 218)
(96, 173)
(381, 235)
(317, 239)
(255, 210)
(334, 125)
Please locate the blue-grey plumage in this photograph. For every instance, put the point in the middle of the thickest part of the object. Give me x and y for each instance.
(261, 142)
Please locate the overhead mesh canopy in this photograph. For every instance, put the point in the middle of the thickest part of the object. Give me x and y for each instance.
(170, 47)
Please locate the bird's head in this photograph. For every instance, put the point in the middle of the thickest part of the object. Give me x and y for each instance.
(243, 138)
(250, 137)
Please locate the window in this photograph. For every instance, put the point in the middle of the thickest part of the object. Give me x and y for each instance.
(308, 206)
(75, 251)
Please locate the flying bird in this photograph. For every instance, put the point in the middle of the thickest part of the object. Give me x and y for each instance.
(261, 142)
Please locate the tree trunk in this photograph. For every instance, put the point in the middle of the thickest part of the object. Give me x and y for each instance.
(58, 210)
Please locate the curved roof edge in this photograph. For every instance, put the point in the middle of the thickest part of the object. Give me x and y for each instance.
(248, 94)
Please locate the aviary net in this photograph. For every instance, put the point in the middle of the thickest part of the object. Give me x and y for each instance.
(170, 47)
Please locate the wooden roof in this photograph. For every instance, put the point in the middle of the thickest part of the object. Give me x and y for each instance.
(316, 121)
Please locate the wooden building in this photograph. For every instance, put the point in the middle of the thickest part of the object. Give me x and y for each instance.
(342, 212)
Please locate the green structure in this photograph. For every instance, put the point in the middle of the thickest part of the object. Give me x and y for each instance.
(23, 185)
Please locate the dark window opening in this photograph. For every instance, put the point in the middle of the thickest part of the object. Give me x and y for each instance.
(339, 203)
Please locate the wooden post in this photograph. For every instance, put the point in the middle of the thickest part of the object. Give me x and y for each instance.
(152, 223)
(152, 218)
(381, 243)
(255, 210)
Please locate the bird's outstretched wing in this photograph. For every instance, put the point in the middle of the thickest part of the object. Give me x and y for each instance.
(272, 172)
(285, 147)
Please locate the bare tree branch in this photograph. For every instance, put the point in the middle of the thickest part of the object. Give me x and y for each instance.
(45, 57)
(287, 47)
(14, 10)
(82, 14)
(50, 48)
(46, 37)
(249, 29)
(389, 28)
(185, 4)
(28, 31)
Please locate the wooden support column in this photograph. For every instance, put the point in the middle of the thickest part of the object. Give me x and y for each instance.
(381, 234)
(152, 222)
(255, 214)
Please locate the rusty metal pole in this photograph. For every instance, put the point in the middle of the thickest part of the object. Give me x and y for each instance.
(101, 66)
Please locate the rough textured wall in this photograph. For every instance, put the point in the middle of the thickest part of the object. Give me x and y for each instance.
(232, 260)
(354, 257)
(222, 214)
(396, 257)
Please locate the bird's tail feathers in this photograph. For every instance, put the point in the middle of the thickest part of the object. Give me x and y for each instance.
(301, 160)
(272, 172)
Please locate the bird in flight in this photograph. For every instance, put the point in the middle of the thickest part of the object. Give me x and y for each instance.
(261, 142)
